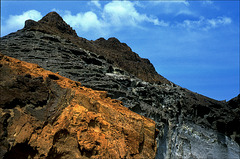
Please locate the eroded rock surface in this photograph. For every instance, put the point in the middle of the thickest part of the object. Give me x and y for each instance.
(94, 63)
(45, 115)
(120, 54)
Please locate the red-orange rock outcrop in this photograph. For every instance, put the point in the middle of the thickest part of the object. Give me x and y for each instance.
(45, 115)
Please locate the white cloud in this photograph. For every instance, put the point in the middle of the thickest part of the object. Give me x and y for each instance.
(84, 21)
(15, 22)
(156, 2)
(205, 24)
(184, 12)
(210, 4)
(113, 16)
(124, 13)
(219, 21)
(95, 3)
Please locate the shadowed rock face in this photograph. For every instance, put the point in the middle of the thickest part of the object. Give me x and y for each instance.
(44, 115)
(189, 124)
(123, 57)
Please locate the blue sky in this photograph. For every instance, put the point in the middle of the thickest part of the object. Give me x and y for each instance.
(194, 44)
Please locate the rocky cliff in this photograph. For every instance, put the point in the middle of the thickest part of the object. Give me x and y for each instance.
(190, 125)
(44, 115)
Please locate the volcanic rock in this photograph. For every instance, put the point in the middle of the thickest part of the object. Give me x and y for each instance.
(51, 23)
(123, 57)
(45, 115)
(112, 49)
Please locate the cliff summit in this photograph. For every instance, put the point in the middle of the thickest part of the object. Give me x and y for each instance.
(51, 23)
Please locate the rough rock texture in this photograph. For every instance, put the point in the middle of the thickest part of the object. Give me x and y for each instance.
(188, 140)
(44, 115)
(51, 23)
(123, 57)
(182, 117)
(118, 53)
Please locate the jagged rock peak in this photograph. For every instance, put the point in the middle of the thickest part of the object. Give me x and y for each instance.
(113, 43)
(52, 18)
(52, 23)
(113, 39)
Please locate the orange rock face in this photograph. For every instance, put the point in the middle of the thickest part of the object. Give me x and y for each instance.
(44, 115)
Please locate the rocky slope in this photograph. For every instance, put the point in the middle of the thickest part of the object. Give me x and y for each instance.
(116, 52)
(44, 115)
(190, 125)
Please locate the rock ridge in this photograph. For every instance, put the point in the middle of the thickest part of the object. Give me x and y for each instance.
(112, 49)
